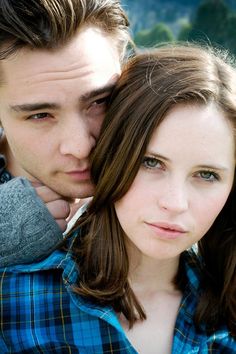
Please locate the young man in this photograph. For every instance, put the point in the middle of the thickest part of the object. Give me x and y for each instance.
(59, 62)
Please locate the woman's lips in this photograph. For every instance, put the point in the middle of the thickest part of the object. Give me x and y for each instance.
(166, 230)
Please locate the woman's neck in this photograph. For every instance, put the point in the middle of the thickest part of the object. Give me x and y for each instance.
(152, 282)
(151, 275)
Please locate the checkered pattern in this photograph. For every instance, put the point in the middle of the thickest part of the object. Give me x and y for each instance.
(41, 314)
(187, 339)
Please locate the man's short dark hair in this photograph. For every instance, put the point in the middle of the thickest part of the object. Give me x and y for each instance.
(49, 24)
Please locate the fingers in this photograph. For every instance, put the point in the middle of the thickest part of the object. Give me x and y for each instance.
(60, 209)
(45, 193)
(56, 205)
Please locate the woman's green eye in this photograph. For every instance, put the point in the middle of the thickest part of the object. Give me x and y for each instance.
(151, 162)
(208, 175)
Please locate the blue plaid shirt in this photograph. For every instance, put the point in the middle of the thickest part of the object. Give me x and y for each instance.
(40, 313)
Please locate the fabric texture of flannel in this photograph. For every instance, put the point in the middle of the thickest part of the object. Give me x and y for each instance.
(40, 313)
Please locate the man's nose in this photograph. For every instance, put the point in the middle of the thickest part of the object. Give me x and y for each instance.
(174, 197)
(77, 139)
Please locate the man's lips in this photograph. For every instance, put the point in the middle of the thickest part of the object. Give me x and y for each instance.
(79, 175)
(167, 230)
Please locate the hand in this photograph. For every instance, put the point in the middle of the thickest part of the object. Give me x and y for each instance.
(57, 206)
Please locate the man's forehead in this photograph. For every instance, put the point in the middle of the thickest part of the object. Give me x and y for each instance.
(90, 53)
(40, 79)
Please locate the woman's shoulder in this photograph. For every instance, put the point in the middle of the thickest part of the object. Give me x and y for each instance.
(193, 265)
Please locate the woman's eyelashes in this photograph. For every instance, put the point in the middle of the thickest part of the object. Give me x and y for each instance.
(208, 175)
(152, 163)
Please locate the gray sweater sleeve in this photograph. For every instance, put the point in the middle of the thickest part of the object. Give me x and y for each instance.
(28, 231)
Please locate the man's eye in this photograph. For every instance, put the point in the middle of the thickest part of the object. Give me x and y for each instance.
(100, 101)
(99, 106)
(208, 176)
(152, 163)
(39, 116)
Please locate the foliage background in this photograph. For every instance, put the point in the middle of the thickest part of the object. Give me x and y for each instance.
(212, 22)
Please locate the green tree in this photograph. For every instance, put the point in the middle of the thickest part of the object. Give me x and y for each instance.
(150, 38)
(142, 38)
(210, 22)
(184, 32)
(213, 24)
(230, 40)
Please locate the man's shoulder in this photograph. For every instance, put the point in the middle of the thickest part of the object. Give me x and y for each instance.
(47, 278)
(54, 261)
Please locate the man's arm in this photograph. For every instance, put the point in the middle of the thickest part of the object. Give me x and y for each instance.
(28, 230)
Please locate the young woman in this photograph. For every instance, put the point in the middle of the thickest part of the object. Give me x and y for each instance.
(159, 241)
(151, 266)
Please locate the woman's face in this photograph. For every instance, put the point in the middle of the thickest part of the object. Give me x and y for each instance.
(183, 183)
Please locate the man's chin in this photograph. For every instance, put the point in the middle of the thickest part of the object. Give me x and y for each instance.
(76, 192)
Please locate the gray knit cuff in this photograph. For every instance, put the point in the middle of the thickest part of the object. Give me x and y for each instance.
(28, 232)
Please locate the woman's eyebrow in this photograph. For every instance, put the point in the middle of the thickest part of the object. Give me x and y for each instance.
(157, 155)
(215, 167)
(210, 166)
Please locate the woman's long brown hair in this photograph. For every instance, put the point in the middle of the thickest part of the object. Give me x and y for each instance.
(151, 84)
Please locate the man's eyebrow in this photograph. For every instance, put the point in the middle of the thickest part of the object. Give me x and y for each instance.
(29, 107)
(97, 92)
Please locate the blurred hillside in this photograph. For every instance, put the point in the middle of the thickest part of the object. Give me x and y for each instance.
(207, 21)
(146, 13)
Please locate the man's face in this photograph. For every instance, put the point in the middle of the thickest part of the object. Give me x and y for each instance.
(52, 104)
